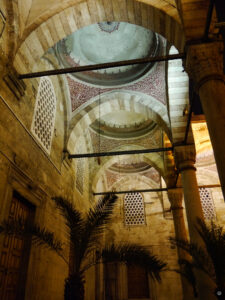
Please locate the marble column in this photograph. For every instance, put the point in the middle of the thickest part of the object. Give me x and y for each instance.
(185, 159)
(175, 198)
(204, 64)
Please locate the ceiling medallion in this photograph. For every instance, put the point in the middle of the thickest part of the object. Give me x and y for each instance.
(109, 27)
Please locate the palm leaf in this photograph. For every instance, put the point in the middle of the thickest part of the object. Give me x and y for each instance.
(74, 221)
(40, 236)
(200, 257)
(134, 254)
(96, 219)
(214, 239)
(187, 270)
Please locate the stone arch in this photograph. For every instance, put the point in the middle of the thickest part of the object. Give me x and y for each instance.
(114, 101)
(153, 159)
(39, 39)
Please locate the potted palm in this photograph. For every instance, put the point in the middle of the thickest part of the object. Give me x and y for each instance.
(85, 232)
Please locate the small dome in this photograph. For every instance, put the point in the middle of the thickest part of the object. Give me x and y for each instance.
(108, 42)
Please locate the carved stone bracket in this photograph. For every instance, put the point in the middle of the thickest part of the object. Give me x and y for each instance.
(185, 157)
(16, 86)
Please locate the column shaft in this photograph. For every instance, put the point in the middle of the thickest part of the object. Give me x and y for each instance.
(175, 198)
(212, 95)
(185, 159)
(204, 65)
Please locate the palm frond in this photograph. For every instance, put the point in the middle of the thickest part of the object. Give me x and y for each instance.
(187, 270)
(96, 219)
(74, 221)
(134, 254)
(39, 236)
(213, 236)
(200, 257)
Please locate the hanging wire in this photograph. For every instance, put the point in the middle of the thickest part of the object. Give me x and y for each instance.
(99, 127)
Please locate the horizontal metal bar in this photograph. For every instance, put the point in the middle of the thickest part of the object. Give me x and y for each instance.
(126, 152)
(208, 20)
(134, 191)
(102, 66)
(153, 190)
(209, 186)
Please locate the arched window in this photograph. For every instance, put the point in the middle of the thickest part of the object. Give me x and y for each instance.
(207, 204)
(134, 211)
(44, 113)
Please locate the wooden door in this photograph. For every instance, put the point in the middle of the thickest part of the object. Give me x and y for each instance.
(15, 254)
(111, 290)
(138, 287)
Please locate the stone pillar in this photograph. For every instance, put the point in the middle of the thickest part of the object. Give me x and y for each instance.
(175, 198)
(204, 64)
(185, 159)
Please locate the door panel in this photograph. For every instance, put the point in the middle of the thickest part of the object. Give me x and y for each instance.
(137, 282)
(15, 254)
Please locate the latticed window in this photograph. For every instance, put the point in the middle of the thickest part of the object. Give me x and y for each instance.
(44, 113)
(134, 212)
(207, 204)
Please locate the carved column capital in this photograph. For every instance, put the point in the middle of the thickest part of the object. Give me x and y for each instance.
(204, 62)
(185, 157)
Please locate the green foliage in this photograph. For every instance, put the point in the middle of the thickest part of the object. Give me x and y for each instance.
(186, 270)
(211, 258)
(40, 236)
(84, 233)
(134, 254)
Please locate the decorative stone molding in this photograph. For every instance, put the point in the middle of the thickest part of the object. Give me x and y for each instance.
(204, 62)
(185, 157)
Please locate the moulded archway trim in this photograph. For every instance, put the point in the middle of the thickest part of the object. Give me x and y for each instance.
(112, 102)
(153, 159)
(35, 43)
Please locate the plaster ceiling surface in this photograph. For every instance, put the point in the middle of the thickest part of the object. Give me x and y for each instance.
(123, 124)
(130, 166)
(108, 42)
(103, 143)
(122, 118)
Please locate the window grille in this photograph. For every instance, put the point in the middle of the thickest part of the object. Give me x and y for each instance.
(207, 204)
(134, 212)
(44, 113)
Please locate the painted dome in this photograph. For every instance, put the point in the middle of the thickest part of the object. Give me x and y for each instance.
(108, 42)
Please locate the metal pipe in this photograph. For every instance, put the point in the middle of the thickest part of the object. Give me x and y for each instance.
(189, 120)
(126, 152)
(153, 190)
(102, 66)
(134, 191)
(208, 20)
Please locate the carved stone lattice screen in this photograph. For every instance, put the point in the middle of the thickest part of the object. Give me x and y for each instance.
(44, 113)
(134, 211)
(207, 204)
